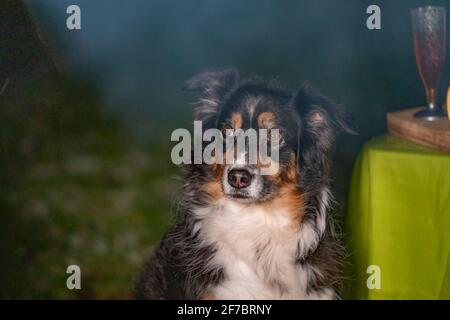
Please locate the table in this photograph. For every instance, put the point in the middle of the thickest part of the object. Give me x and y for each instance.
(398, 218)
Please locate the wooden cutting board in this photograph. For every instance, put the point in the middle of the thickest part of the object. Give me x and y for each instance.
(434, 134)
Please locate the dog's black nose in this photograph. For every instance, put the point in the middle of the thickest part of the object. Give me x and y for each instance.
(239, 178)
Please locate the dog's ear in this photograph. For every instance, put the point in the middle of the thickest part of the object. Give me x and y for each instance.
(321, 120)
(212, 87)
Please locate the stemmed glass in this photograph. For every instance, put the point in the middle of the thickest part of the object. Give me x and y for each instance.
(428, 26)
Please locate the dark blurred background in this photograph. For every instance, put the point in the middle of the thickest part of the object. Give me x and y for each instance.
(86, 115)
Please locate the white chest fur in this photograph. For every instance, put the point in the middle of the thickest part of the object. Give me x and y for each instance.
(256, 246)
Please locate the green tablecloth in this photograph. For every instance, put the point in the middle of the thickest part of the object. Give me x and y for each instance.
(398, 218)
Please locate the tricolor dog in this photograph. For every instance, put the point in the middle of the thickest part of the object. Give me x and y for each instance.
(243, 235)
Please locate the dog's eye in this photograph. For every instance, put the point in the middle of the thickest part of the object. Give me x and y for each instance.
(227, 130)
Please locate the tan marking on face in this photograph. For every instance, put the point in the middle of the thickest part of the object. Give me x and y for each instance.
(213, 189)
(292, 173)
(218, 169)
(292, 201)
(289, 198)
(236, 120)
(266, 120)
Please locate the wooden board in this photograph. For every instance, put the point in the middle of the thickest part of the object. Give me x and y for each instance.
(434, 134)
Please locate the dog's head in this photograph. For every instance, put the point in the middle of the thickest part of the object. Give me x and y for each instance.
(306, 123)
